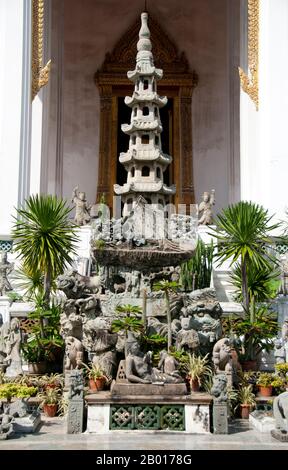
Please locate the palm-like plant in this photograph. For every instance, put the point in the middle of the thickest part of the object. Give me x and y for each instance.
(197, 368)
(243, 230)
(167, 287)
(130, 322)
(44, 237)
(262, 284)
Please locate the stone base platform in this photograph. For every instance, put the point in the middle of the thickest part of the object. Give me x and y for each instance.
(152, 413)
(124, 389)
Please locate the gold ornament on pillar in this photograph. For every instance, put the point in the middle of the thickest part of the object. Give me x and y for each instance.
(40, 74)
(249, 82)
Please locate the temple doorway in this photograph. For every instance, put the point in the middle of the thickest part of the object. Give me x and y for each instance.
(177, 84)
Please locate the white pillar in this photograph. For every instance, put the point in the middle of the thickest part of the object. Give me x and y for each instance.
(264, 150)
(11, 59)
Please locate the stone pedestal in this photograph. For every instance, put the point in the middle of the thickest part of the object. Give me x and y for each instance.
(27, 424)
(279, 436)
(21, 309)
(82, 259)
(197, 419)
(261, 421)
(98, 419)
(75, 417)
(4, 308)
(220, 418)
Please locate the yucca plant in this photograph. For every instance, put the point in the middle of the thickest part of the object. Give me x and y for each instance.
(44, 238)
(167, 287)
(197, 368)
(262, 283)
(243, 232)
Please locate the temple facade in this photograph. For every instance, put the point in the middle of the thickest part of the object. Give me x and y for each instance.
(62, 102)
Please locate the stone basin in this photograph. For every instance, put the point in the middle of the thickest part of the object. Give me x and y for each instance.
(157, 255)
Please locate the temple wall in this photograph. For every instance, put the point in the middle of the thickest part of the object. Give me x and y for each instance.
(201, 29)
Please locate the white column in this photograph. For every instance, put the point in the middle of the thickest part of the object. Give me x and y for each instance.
(264, 150)
(11, 59)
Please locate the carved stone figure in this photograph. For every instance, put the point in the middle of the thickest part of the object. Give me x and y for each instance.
(73, 353)
(139, 369)
(3, 352)
(219, 388)
(222, 358)
(76, 389)
(6, 424)
(5, 269)
(205, 208)
(205, 312)
(284, 335)
(82, 215)
(76, 403)
(279, 351)
(187, 338)
(76, 286)
(18, 408)
(168, 364)
(280, 411)
(13, 358)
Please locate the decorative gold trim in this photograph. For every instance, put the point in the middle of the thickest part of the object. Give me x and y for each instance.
(40, 74)
(249, 83)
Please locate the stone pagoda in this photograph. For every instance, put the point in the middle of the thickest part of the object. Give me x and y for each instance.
(144, 161)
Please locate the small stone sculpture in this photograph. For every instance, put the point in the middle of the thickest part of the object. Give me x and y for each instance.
(284, 335)
(279, 351)
(5, 270)
(82, 215)
(168, 364)
(219, 388)
(13, 358)
(280, 411)
(73, 353)
(6, 424)
(187, 338)
(205, 208)
(139, 369)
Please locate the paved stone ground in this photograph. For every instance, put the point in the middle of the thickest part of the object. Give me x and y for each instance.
(51, 436)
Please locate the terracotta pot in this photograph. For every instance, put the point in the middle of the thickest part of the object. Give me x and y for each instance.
(249, 365)
(266, 391)
(97, 384)
(50, 410)
(245, 410)
(37, 367)
(194, 385)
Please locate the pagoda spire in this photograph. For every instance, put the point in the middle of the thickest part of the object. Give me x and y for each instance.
(144, 160)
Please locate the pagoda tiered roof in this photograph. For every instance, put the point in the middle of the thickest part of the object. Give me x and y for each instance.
(149, 155)
(145, 187)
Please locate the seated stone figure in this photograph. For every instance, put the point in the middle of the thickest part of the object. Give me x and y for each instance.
(280, 411)
(139, 368)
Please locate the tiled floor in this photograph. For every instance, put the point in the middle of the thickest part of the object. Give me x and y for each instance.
(51, 436)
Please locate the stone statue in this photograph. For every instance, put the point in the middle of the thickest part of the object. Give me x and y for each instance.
(221, 356)
(219, 388)
(205, 208)
(280, 411)
(3, 352)
(5, 269)
(187, 338)
(73, 353)
(168, 364)
(13, 358)
(82, 215)
(139, 369)
(76, 389)
(6, 424)
(284, 336)
(279, 351)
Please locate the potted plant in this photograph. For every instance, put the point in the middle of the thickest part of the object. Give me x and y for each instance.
(35, 355)
(96, 376)
(197, 369)
(52, 381)
(246, 400)
(50, 399)
(264, 383)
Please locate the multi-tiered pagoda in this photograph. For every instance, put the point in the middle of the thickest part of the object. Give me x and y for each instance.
(144, 161)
